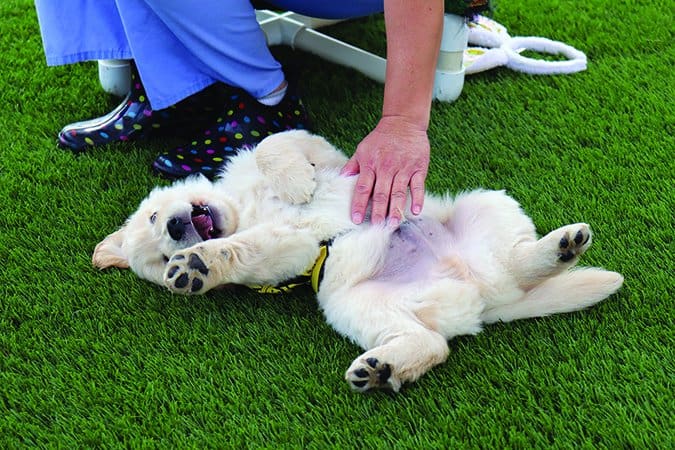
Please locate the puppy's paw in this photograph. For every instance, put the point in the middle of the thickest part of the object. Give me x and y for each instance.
(297, 185)
(289, 173)
(573, 242)
(370, 373)
(186, 273)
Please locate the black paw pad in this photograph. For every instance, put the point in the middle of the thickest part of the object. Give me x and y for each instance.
(196, 263)
(372, 362)
(197, 284)
(579, 237)
(567, 256)
(384, 373)
(181, 281)
(359, 383)
(361, 373)
(172, 271)
(564, 243)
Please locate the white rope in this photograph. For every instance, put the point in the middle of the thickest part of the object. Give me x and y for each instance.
(496, 48)
(576, 60)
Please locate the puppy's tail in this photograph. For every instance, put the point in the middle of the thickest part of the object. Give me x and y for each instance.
(570, 291)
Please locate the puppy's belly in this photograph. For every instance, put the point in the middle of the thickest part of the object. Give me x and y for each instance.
(417, 251)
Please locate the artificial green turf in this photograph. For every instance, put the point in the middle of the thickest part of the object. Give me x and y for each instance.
(93, 358)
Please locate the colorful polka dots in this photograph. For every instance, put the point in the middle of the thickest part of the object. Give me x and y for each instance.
(134, 118)
(241, 122)
(248, 122)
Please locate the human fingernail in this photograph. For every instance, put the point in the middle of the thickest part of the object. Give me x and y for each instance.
(357, 218)
(416, 209)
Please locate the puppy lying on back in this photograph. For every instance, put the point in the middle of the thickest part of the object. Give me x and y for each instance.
(400, 293)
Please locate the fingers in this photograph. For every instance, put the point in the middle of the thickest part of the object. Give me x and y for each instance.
(362, 191)
(389, 196)
(390, 160)
(381, 197)
(397, 198)
(351, 168)
(417, 192)
(388, 193)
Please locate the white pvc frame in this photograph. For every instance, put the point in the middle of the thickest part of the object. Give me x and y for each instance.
(298, 31)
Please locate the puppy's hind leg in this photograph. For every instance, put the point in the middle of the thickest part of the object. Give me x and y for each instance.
(531, 262)
(401, 359)
(405, 332)
(570, 291)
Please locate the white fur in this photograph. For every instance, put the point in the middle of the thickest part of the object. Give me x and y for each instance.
(399, 294)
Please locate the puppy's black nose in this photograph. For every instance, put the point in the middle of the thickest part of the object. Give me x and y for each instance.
(176, 228)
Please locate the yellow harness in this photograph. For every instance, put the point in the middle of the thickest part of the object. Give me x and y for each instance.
(312, 276)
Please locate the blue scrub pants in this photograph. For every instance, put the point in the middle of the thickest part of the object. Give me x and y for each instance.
(179, 47)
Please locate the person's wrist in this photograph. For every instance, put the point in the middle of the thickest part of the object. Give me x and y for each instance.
(397, 123)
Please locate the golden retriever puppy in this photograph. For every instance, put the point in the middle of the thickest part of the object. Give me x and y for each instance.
(398, 292)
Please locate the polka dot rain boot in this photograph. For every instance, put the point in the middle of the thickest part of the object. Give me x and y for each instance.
(134, 119)
(243, 123)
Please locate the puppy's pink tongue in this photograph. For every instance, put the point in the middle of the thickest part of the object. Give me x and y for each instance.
(204, 225)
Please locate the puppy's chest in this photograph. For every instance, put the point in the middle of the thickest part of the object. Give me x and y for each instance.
(325, 216)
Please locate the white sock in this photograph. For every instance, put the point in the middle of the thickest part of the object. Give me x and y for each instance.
(275, 97)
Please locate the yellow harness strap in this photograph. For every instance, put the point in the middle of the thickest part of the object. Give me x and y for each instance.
(317, 268)
(312, 276)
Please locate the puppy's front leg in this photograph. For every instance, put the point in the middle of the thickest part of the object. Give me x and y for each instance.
(262, 255)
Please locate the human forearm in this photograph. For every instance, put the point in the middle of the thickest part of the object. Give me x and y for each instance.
(414, 30)
(394, 158)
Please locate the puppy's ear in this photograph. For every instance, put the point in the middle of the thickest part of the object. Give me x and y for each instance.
(109, 252)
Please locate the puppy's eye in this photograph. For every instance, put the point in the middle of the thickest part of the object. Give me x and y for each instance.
(153, 218)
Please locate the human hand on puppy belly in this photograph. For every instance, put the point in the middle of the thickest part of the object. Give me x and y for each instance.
(388, 161)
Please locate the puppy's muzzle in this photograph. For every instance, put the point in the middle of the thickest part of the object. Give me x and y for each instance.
(200, 220)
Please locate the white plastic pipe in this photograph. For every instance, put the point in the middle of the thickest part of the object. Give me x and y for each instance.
(450, 68)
